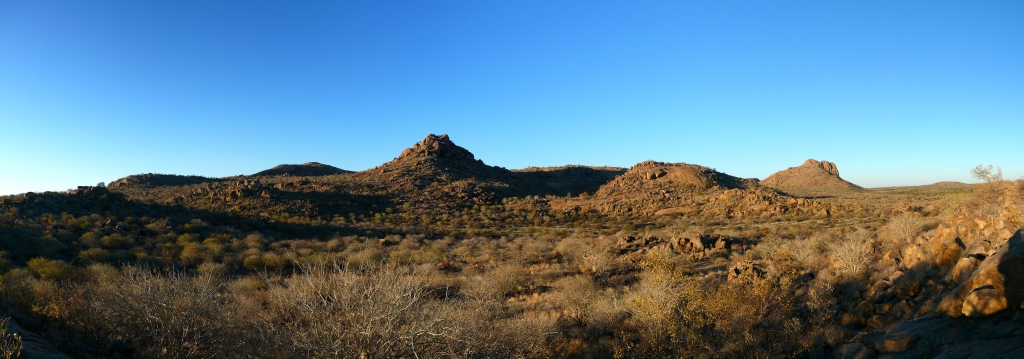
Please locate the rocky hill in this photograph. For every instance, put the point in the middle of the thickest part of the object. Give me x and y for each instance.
(305, 169)
(436, 175)
(152, 180)
(436, 159)
(810, 178)
(659, 188)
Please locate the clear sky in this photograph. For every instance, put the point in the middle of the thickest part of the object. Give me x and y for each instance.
(895, 93)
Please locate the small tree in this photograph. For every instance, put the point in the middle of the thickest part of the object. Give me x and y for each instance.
(988, 174)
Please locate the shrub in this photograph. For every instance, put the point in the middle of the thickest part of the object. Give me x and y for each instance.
(94, 255)
(850, 256)
(115, 240)
(253, 262)
(167, 315)
(90, 239)
(192, 253)
(496, 284)
(216, 270)
(904, 227)
(335, 312)
(575, 297)
(50, 269)
(590, 255)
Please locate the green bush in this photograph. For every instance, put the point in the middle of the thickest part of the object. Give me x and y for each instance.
(115, 240)
(94, 255)
(50, 269)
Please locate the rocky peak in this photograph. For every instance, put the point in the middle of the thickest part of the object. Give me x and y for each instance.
(825, 165)
(435, 146)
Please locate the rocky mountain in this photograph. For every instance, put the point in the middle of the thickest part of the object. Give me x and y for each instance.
(305, 169)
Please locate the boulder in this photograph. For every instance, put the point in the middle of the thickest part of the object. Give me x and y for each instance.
(963, 269)
(855, 350)
(897, 343)
(984, 301)
(997, 283)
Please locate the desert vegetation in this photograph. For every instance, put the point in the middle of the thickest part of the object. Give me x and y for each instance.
(437, 255)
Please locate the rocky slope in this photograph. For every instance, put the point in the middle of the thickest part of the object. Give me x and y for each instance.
(971, 265)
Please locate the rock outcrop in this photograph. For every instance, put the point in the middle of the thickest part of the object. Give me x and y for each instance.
(437, 146)
(993, 285)
(934, 336)
(824, 165)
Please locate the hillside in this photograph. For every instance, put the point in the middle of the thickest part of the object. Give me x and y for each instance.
(571, 180)
(305, 169)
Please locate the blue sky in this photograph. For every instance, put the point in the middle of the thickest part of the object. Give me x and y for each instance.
(896, 93)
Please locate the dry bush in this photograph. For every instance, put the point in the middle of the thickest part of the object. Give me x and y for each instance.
(213, 269)
(904, 227)
(363, 255)
(771, 248)
(590, 255)
(953, 203)
(17, 287)
(382, 313)
(165, 315)
(496, 284)
(850, 257)
(576, 296)
(680, 316)
(482, 330)
(808, 253)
